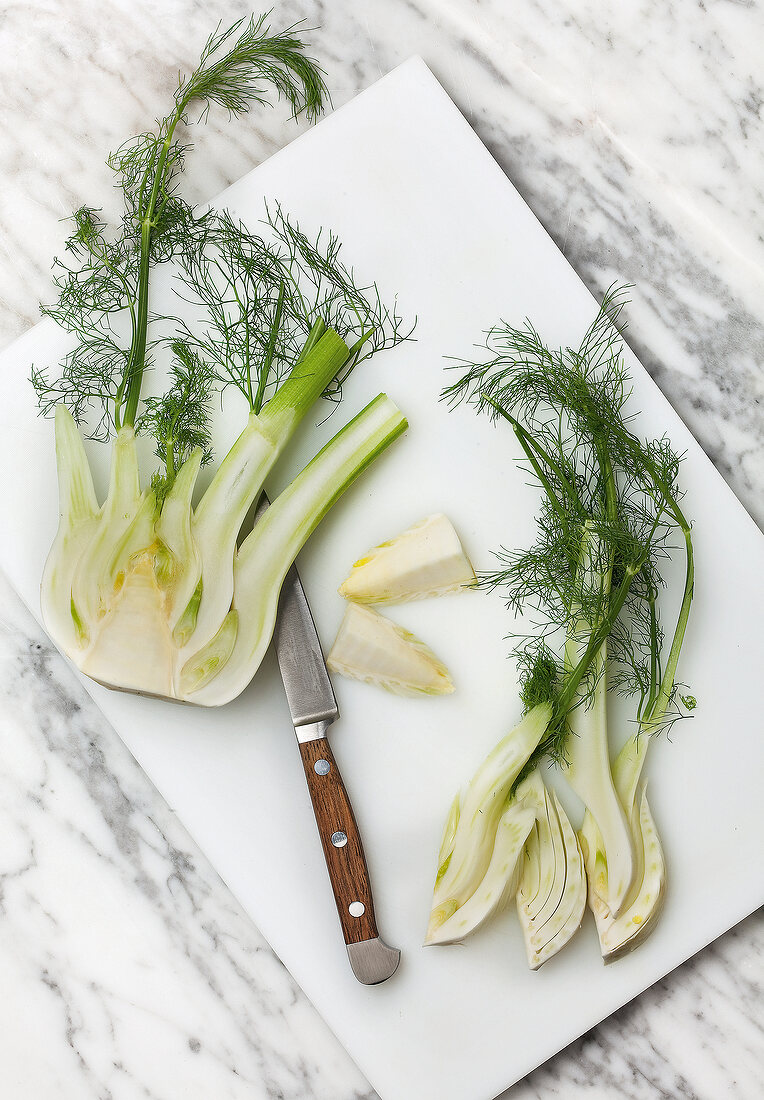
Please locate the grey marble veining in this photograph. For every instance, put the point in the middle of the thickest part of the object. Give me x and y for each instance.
(635, 134)
(129, 968)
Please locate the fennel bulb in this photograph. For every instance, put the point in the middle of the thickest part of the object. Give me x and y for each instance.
(151, 596)
(589, 585)
(148, 591)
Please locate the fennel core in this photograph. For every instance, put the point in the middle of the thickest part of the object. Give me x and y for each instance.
(147, 592)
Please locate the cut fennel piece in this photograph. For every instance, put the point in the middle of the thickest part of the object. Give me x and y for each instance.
(454, 923)
(588, 773)
(425, 560)
(551, 898)
(89, 592)
(79, 516)
(638, 917)
(123, 591)
(240, 478)
(371, 648)
(178, 561)
(471, 828)
(622, 932)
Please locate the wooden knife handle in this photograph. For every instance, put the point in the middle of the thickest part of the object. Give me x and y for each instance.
(341, 842)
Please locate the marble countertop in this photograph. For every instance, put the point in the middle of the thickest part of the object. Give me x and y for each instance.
(636, 135)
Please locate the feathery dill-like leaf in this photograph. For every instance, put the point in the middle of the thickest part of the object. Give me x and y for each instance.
(237, 279)
(108, 276)
(179, 419)
(96, 297)
(257, 57)
(600, 483)
(262, 297)
(322, 287)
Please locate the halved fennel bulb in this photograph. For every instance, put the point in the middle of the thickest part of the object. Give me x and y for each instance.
(425, 560)
(551, 899)
(152, 595)
(371, 648)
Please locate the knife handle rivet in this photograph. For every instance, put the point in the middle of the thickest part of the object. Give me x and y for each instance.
(339, 840)
(322, 767)
(356, 909)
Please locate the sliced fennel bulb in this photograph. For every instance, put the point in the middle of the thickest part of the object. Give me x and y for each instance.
(451, 923)
(532, 853)
(551, 899)
(588, 765)
(609, 511)
(425, 560)
(117, 579)
(588, 773)
(471, 831)
(371, 648)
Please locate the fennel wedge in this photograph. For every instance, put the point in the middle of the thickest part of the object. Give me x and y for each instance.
(425, 560)
(470, 838)
(371, 648)
(551, 897)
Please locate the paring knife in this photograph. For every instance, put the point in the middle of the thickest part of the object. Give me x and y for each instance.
(313, 707)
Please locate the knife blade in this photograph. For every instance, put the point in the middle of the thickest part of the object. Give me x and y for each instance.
(314, 708)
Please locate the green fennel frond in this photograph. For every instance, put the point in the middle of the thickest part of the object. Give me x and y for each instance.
(264, 298)
(96, 303)
(237, 280)
(322, 287)
(179, 419)
(103, 284)
(258, 57)
(603, 488)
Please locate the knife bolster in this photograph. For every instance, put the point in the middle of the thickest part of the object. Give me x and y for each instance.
(312, 731)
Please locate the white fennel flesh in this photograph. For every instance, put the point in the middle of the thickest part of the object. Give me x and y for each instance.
(551, 899)
(425, 560)
(371, 648)
(473, 822)
(498, 884)
(621, 933)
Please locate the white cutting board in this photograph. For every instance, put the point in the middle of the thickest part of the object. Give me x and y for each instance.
(422, 208)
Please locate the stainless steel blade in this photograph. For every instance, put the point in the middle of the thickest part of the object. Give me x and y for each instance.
(307, 685)
(309, 691)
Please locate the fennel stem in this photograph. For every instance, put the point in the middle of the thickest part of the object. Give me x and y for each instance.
(656, 711)
(130, 387)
